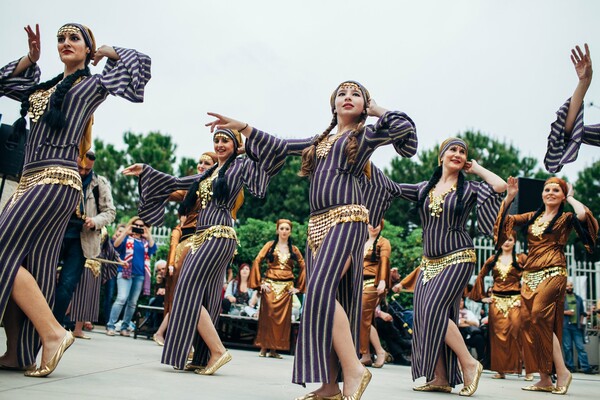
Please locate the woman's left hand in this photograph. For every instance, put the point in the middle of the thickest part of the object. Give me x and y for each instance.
(134, 170)
(223, 122)
(373, 110)
(471, 167)
(570, 191)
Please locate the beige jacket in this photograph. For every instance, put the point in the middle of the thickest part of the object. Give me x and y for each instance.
(90, 239)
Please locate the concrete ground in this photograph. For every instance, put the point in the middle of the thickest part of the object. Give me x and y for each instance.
(126, 368)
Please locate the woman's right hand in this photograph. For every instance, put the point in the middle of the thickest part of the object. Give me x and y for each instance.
(134, 170)
(582, 63)
(33, 40)
(512, 187)
(265, 288)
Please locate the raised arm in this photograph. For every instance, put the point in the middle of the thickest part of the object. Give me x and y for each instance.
(17, 77)
(497, 183)
(583, 67)
(125, 74)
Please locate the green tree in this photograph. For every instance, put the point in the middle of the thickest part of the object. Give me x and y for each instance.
(187, 166)
(586, 191)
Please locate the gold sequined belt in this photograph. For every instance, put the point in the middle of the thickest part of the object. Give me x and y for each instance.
(94, 266)
(215, 231)
(534, 279)
(47, 176)
(280, 288)
(368, 282)
(319, 225)
(505, 303)
(431, 267)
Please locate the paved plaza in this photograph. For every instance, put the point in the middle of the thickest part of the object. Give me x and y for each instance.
(126, 368)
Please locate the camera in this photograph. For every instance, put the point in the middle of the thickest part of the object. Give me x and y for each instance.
(137, 229)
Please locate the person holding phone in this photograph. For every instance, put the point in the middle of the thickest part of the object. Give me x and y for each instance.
(135, 245)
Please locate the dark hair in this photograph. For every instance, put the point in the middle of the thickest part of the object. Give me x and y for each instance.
(53, 116)
(435, 178)
(374, 250)
(515, 262)
(539, 212)
(189, 201)
(90, 155)
(270, 256)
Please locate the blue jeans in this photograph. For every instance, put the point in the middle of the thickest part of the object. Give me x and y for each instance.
(128, 291)
(70, 275)
(572, 334)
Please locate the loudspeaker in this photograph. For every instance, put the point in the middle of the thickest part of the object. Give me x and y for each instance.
(529, 197)
(12, 153)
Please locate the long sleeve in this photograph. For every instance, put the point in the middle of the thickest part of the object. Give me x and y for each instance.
(410, 281)
(378, 193)
(15, 87)
(155, 187)
(177, 196)
(268, 151)
(128, 76)
(175, 237)
(255, 278)
(488, 205)
(393, 127)
(587, 230)
(410, 191)
(301, 280)
(256, 175)
(478, 291)
(505, 223)
(108, 212)
(385, 252)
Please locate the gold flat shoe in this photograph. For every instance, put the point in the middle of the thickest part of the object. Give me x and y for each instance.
(224, 359)
(563, 389)
(469, 390)
(192, 367)
(314, 396)
(54, 360)
(262, 354)
(275, 355)
(533, 388)
(528, 378)
(433, 388)
(83, 336)
(499, 376)
(364, 382)
(157, 340)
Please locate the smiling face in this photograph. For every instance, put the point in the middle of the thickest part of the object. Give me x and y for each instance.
(553, 195)
(204, 164)
(224, 147)
(349, 102)
(71, 47)
(454, 158)
(509, 244)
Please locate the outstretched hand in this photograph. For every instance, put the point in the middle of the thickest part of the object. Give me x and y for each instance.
(33, 40)
(133, 170)
(512, 186)
(223, 122)
(582, 62)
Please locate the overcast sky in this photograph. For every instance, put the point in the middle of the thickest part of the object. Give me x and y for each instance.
(501, 67)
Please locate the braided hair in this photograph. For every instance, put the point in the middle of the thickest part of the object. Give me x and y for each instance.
(515, 262)
(274, 245)
(435, 178)
(374, 250)
(539, 212)
(309, 153)
(189, 201)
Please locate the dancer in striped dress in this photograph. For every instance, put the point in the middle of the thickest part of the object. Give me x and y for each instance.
(197, 302)
(444, 204)
(337, 231)
(60, 113)
(568, 132)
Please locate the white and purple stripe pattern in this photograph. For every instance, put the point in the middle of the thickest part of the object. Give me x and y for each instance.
(562, 148)
(32, 229)
(378, 193)
(15, 87)
(335, 183)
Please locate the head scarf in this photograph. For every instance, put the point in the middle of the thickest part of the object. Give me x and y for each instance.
(209, 155)
(231, 134)
(446, 144)
(86, 33)
(365, 94)
(284, 221)
(560, 182)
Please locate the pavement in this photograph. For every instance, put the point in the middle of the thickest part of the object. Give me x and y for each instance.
(126, 368)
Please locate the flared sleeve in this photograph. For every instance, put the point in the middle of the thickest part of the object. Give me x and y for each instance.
(16, 87)
(587, 230)
(564, 148)
(385, 252)
(378, 193)
(126, 77)
(155, 187)
(506, 223)
(269, 152)
(488, 205)
(393, 127)
(410, 191)
(410, 281)
(255, 278)
(175, 237)
(478, 292)
(301, 280)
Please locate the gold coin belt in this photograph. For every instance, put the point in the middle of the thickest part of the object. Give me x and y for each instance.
(319, 225)
(431, 267)
(215, 231)
(538, 227)
(325, 145)
(505, 303)
(503, 269)
(436, 203)
(280, 288)
(368, 282)
(534, 279)
(47, 176)
(94, 266)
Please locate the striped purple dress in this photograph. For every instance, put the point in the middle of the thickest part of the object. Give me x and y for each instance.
(201, 277)
(32, 229)
(437, 301)
(335, 183)
(563, 149)
(85, 304)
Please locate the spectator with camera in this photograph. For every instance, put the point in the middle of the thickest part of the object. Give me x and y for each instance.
(83, 235)
(135, 245)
